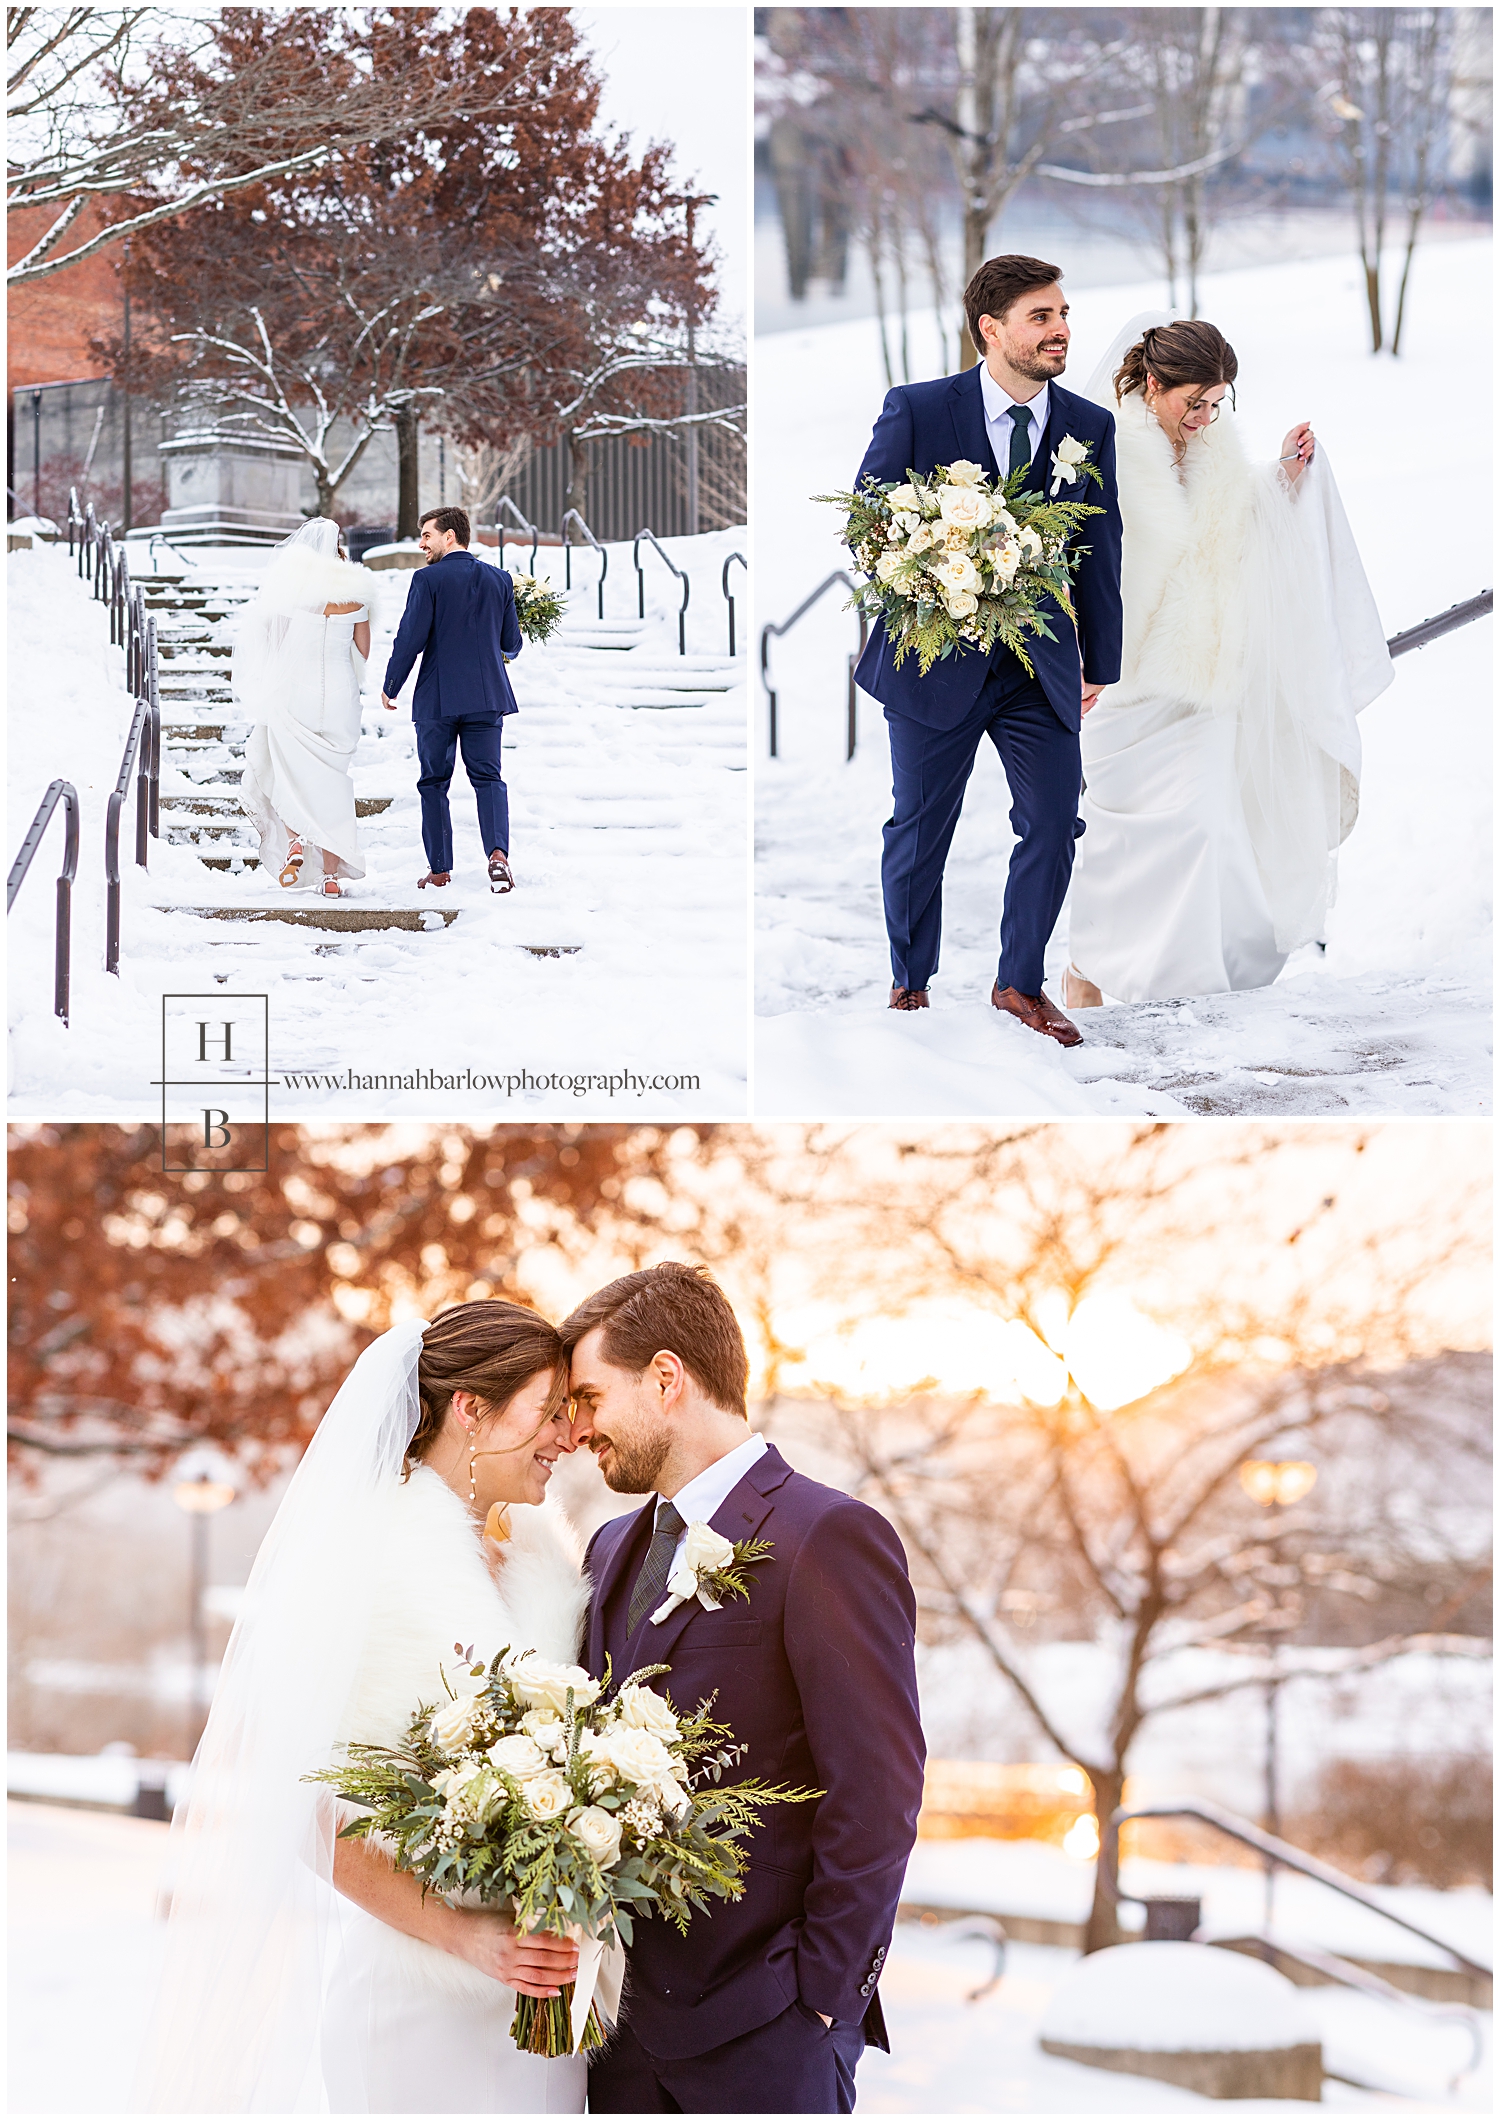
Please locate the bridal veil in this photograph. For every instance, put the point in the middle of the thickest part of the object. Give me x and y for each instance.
(235, 2025)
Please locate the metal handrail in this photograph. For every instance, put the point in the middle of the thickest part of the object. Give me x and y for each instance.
(1274, 1850)
(573, 516)
(152, 674)
(766, 633)
(649, 537)
(1447, 622)
(134, 749)
(530, 529)
(1346, 1974)
(62, 946)
(724, 585)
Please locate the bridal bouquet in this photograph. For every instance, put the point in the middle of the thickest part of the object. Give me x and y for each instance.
(957, 561)
(539, 606)
(527, 1788)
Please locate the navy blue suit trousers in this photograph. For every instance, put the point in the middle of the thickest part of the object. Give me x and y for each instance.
(437, 743)
(794, 2065)
(930, 770)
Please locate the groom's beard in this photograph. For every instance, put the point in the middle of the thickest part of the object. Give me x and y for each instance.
(633, 1467)
(1039, 366)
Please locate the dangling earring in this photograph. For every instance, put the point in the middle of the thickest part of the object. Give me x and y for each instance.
(473, 1476)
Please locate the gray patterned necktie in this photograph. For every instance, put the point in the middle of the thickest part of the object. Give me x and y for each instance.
(1020, 438)
(657, 1566)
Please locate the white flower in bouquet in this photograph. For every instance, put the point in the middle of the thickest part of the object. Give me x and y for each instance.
(924, 536)
(964, 508)
(596, 1830)
(1005, 559)
(519, 1756)
(547, 1796)
(636, 1756)
(955, 570)
(904, 498)
(547, 1686)
(642, 1817)
(1031, 542)
(889, 565)
(963, 473)
(960, 603)
(673, 1798)
(641, 1710)
(549, 1731)
(452, 1726)
(908, 521)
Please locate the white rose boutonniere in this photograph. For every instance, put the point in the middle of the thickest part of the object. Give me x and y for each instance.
(710, 1569)
(1066, 458)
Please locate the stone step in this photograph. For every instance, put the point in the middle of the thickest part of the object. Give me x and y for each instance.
(227, 806)
(178, 651)
(229, 862)
(337, 917)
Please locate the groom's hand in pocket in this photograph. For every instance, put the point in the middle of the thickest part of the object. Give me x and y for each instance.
(536, 1965)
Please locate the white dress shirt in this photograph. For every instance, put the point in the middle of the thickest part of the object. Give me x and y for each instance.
(997, 405)
(709, 1490)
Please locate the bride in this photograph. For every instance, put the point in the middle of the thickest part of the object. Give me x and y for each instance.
(304, 1973)
(1221, 773)
(299, 654)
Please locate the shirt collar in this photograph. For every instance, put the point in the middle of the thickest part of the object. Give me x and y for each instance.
(709, 1490)
(997, 401)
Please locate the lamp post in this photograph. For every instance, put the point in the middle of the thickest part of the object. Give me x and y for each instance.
(201, 1499)
(692, 203)
(125, 395)
(36, 453)
(1275, 1484)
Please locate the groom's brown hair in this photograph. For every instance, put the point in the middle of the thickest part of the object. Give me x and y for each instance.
(998, 283)
(669, 1309)
(452, 519)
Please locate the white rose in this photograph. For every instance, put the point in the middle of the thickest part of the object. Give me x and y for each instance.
(546, 1686)
(641, 1710)
(1030, 542)
(909, 521)
(704, 1550)
(519, 1756)
(452, 1726)
(599, 1832)
(923, 536)
(1004, 560)
(963, 473)
(963, 507)
(547, 1795)
(961, 603)
(595, 1748)
(548, 1730)
(955, 570)
(887, 566)
(953, 537)
(673, 1798)
(904, 497)
(1069, 451)
(635, 1755)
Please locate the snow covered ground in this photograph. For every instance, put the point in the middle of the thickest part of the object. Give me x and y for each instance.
(85, 1947)
(1394, 1018)
(628, 807)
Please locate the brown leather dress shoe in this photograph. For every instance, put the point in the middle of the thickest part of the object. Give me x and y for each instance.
(500, 876)
(434, 876)
(1037, 1014)
(909, 998)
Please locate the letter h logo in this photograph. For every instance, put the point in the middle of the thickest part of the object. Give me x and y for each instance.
(215, 1082)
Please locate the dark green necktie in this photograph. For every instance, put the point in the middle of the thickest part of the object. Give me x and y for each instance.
(1020, 438)
(656, 1567)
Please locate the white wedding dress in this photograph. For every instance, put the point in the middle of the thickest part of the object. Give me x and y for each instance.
(1221, 773)
(406, 2028)
(278, 1995)
(300, 674)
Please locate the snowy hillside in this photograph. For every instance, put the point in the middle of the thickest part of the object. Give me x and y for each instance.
(1395, 1016)
(619, 954)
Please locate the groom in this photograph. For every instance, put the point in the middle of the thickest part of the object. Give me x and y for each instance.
(767, 2003)
(1006, 414)
(460, 618)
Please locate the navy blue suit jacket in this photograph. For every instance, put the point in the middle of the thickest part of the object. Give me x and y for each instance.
(816, 1675)
(460, 618)
(923, 425)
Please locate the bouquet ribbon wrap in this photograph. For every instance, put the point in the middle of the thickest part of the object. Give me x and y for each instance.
(600, 1978)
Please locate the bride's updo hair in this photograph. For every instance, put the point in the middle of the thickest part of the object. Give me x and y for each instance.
(1188, 352)
(491, 1349)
